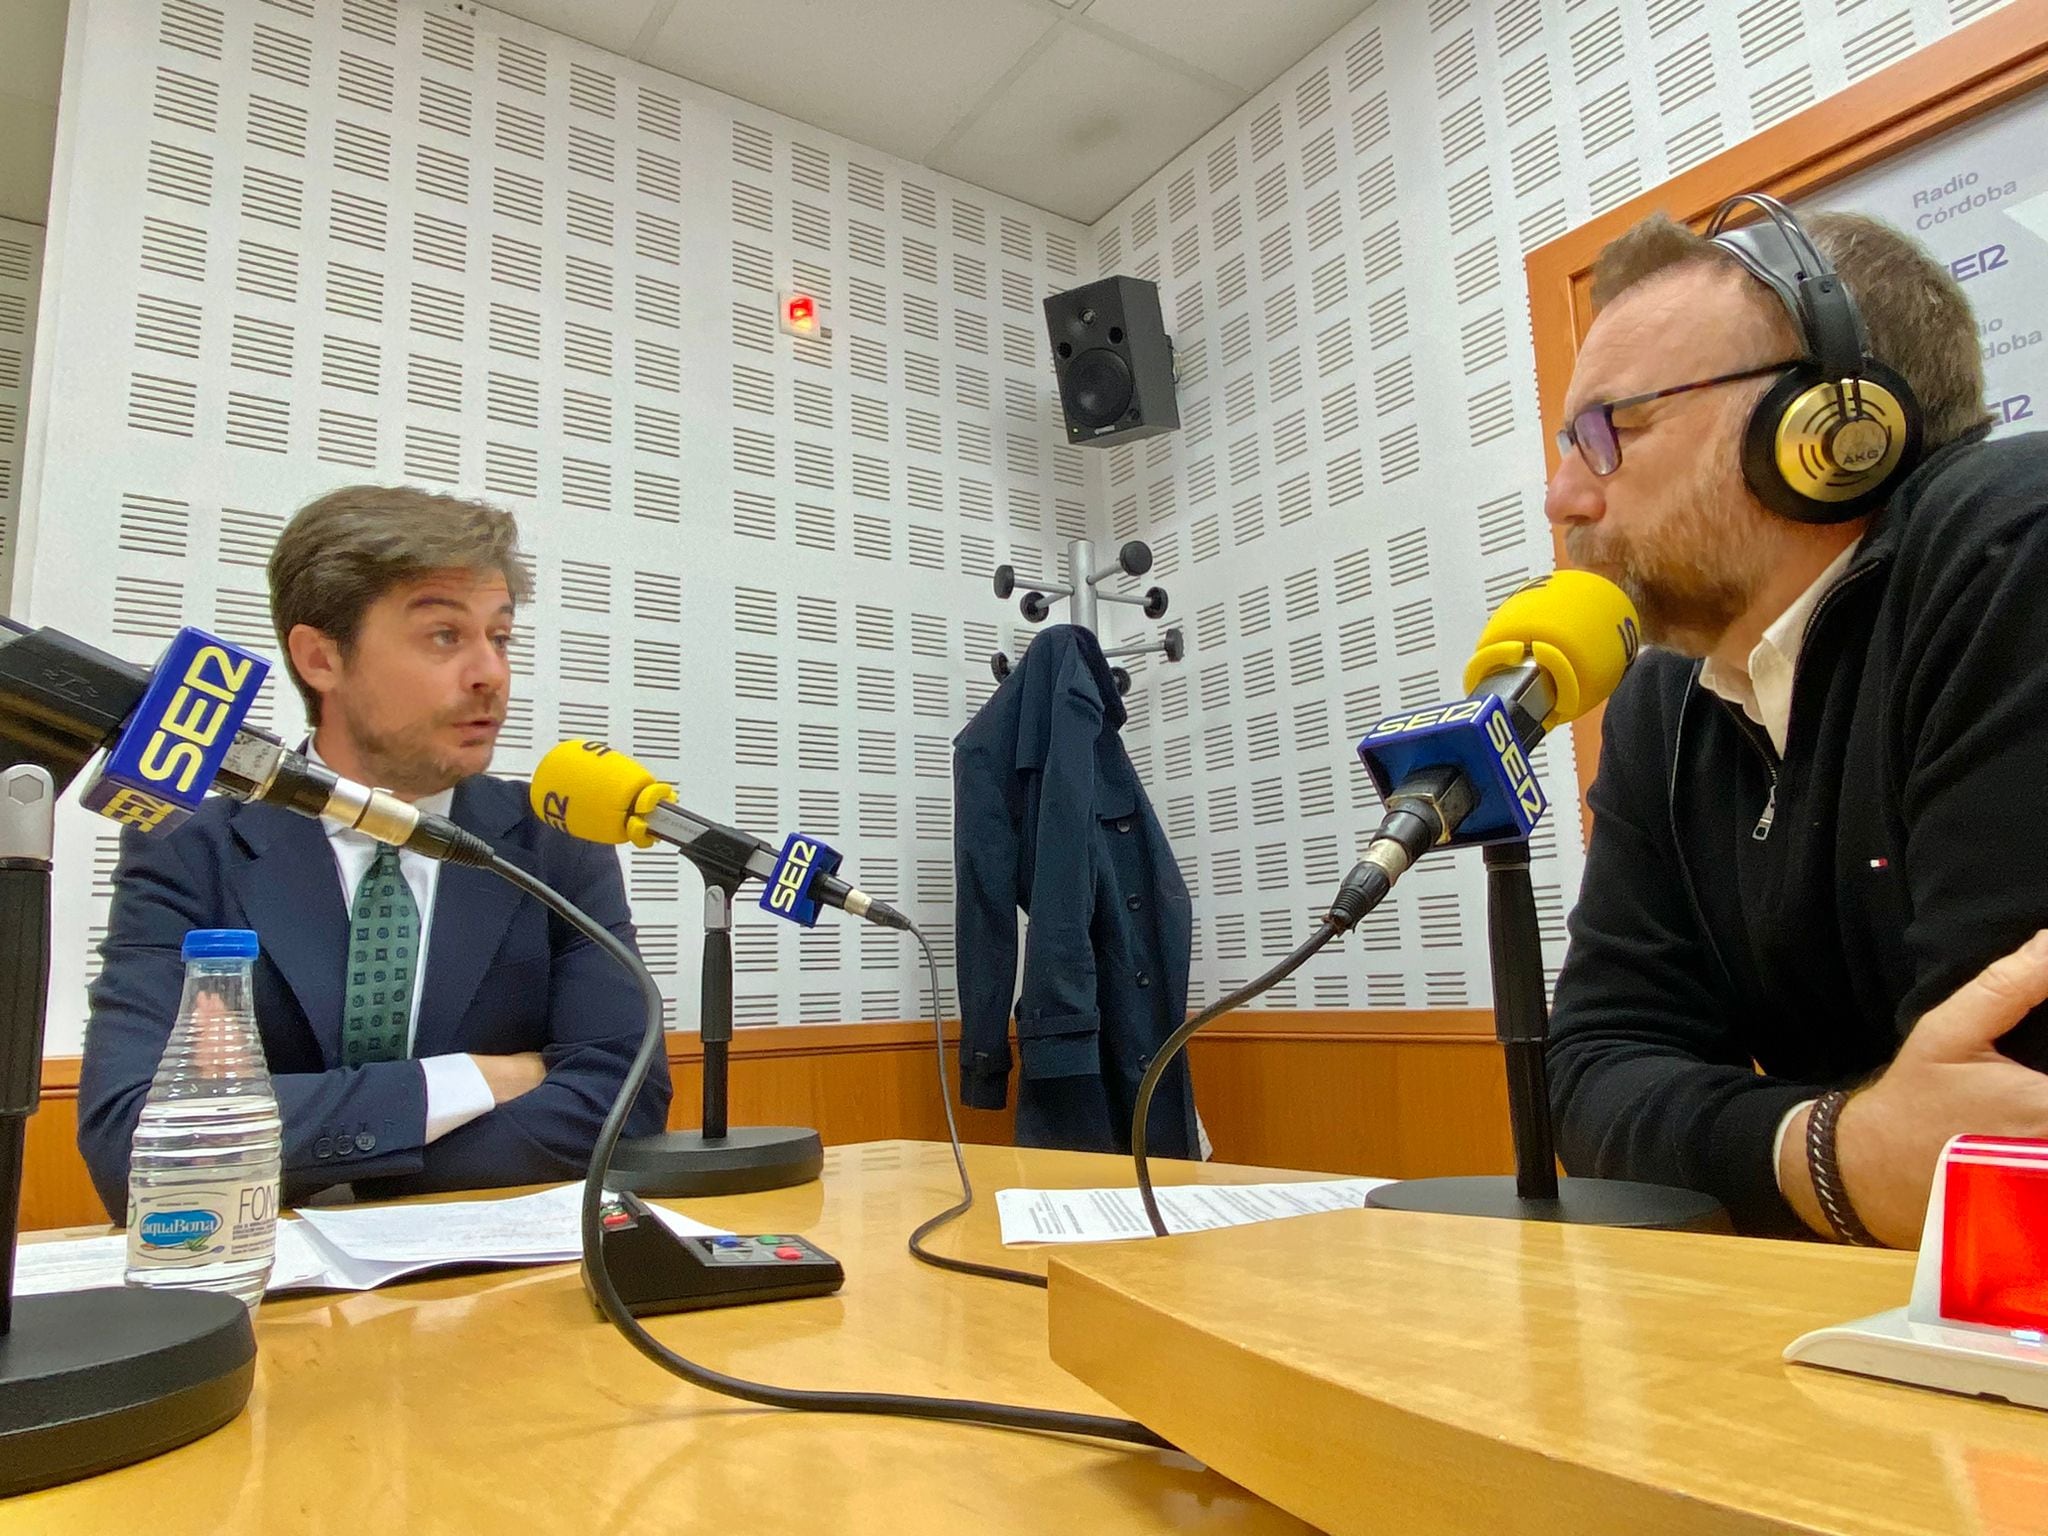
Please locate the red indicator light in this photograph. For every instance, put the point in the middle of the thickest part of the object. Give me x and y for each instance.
(800, 314)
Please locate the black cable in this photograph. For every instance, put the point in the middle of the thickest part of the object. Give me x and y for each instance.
(953, 1213)
(1364, 888)
(1178, 1040)
(957, 1410)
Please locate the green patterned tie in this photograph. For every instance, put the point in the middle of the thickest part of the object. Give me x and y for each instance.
(382, 961)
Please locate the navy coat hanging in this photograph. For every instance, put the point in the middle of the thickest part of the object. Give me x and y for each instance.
(1049, 816)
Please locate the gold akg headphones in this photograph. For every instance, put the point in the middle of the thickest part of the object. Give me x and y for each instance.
(1832, 438)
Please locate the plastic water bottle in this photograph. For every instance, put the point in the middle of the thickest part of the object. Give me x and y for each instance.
(202, 1178)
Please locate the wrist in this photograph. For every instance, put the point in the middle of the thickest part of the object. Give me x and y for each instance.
(1795, 1180)
(1872, 1159)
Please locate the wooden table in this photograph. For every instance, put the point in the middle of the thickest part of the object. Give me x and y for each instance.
(1396, 1372)
(499, 1404)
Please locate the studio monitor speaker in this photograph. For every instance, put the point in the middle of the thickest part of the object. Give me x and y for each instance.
(1114, 361)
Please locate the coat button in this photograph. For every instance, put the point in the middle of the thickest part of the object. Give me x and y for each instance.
(324, 1147)
(365, 1142)
(1133, 903)
(1144, 980)
(1123, 824)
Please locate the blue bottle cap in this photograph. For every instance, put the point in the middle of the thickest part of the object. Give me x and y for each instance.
(220, 944)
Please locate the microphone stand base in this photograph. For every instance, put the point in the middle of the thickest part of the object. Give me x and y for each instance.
(1579, 1202)
(92, 1380)
(745, 1159)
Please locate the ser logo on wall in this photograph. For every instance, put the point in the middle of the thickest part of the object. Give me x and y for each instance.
(1991, 258)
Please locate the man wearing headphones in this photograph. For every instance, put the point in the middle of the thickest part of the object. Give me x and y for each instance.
(1822, 802)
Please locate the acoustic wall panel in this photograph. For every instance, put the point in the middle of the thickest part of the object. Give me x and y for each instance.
(302, 243)
(21, 266)
(1359, 477)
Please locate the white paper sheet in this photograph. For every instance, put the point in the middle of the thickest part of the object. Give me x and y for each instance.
(1110, 1215)
(299, 1265)
(356, 1248)
(73, 1264)
(539, 1228)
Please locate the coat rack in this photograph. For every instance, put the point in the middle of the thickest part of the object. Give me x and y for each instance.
(1134, 559)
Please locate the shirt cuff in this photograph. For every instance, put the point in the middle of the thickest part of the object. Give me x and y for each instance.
(456, 1093)
(1777, 1141)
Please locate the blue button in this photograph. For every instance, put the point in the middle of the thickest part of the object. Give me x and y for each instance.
(727, 1242)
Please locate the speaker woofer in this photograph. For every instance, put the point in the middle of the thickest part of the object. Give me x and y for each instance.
(1098, 388)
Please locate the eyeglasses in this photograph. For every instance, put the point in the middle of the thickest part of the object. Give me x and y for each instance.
(1591, 431)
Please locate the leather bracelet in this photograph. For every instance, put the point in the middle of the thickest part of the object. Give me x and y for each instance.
(1826, 1172)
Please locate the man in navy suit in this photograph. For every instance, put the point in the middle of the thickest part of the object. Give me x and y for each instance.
(496, 1060)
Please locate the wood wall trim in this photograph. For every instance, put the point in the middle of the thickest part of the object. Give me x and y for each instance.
(1365, 1091)
(60, 1073)
(60, 1076)
(1434, 1024)
(1972, 70)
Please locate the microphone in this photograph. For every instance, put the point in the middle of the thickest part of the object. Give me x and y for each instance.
(178, 731)
(588, 790)
(1456, 774)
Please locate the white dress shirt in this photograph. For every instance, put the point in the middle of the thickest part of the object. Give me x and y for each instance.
(1764, 693)
(456, 1090)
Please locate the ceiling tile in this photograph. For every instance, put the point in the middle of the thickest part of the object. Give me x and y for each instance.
(613, 25)
(894, 74)
(1245, 44)
(1080, 126)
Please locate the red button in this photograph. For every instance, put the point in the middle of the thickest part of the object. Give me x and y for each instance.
(789, 1253)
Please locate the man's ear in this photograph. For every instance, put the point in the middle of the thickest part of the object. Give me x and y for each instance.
(316, 657)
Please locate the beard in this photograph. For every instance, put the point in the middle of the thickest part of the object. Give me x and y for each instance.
(1692, 567)
(406, 761)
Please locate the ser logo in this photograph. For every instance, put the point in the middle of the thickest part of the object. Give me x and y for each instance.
(176, 749)
(138, 809)
(554, 810)
(1977, 263)
(1446, 714)
(2015, 408)
(1631, 640)
(1521, 777)
(794, 875)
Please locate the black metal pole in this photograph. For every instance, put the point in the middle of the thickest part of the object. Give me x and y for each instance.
(25, 831)
(715, 995)
(1521, 1015)
(13, 1131)
(716, 1158)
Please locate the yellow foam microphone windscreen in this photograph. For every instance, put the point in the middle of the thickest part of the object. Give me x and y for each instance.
(587, 790)
(1579, 628)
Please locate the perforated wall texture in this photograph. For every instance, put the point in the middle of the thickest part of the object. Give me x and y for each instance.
(1359, 475)
(301, 243)
(21, 265)
(298, 243)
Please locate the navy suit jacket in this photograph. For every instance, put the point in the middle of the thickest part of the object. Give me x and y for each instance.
(1049, 816)
(503, 975)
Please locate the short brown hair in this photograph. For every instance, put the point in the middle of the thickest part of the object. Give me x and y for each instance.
(343, 551)
(1920, 324)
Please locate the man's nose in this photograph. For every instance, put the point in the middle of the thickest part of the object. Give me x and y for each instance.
(490, 669)
(1575, 494)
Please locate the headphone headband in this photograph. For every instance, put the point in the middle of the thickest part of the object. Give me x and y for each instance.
(1778, 253)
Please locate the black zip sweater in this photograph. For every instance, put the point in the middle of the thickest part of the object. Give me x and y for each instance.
(1751, 931)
